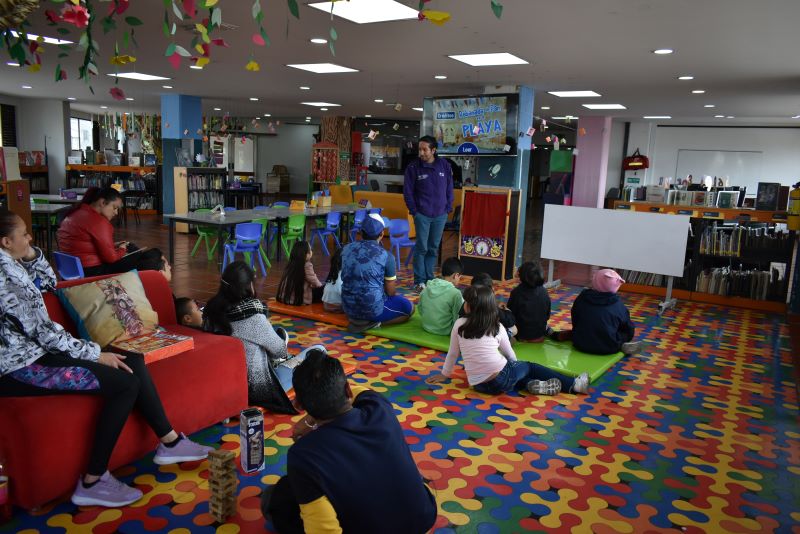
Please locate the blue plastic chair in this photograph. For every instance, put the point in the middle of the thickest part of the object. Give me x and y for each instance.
(69, 267)
(280, 204)
(398, 238)
(260, 207)
(231, 208)
(331, 228)
(248, 241)
(358, 220)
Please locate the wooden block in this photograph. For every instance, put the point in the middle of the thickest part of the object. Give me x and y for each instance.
(222, 455)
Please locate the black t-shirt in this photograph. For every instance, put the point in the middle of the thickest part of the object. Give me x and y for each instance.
(531, 308)
(362, 464)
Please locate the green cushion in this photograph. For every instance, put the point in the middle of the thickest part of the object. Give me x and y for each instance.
(559, 356)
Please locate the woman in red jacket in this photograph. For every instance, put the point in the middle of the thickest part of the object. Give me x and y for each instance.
(87, 233)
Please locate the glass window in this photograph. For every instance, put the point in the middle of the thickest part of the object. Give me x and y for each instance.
(81, 133)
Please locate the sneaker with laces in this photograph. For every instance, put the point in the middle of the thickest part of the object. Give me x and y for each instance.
(544, 387)
(581, 384)
(632, 347)
(419, 288)
(185, 450)
(283, 334)
(108, 491)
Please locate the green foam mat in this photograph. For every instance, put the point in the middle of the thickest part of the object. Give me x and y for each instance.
(559, 356)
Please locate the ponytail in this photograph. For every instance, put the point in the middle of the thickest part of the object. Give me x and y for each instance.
(92, 195)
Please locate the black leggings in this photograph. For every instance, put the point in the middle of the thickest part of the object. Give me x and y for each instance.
(55, 374)
(279, 504)
(123, 265)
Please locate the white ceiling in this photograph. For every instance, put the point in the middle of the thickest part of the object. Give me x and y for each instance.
(743, 53)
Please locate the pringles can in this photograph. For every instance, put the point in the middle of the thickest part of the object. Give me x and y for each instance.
(251, 440)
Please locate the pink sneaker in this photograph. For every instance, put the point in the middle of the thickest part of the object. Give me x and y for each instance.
(185, 450)
(108, 491)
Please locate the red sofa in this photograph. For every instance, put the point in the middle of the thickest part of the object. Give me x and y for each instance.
(46, 440)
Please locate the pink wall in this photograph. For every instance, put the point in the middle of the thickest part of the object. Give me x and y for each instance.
(591, 163)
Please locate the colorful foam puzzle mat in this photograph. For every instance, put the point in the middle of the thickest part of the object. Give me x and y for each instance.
(559, 356)
(698, 433)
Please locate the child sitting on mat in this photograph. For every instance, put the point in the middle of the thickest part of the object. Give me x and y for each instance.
(505, 315)
(332, 294)
(188, 312)
(236, 311)
(441, 300)
(530, 303)
(601, 323)
(489, 360)
(299, 284)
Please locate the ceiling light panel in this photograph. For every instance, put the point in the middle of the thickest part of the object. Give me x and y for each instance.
(138, 76)
(604, 106)
(368, 11)
(321, 104)
(489, 60)
(322, 68)
(574, 94)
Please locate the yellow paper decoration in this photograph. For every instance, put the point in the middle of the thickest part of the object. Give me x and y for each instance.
(202, 61)
(252, 66)
(437, 17)
(35, 67)
(210, 3)
(122, 60)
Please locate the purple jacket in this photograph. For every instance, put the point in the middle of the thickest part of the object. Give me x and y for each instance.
(428, 187)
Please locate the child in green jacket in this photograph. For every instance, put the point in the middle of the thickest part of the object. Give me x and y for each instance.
(441, 300)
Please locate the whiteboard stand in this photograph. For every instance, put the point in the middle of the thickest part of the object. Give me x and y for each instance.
(551, 284)
(669, 302)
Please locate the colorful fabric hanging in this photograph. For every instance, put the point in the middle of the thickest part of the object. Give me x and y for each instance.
(484, 215)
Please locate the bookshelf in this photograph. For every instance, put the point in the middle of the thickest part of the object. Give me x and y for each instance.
(197, 188)
(734, 257)
(37, 175)
(146, 179)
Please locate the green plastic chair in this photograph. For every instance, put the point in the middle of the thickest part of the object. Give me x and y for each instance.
(295, 230)
(206, 233)
(264, 226)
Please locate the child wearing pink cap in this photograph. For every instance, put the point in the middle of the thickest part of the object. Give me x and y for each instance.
(601, 323)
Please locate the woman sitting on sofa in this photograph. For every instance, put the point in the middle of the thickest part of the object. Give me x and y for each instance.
(87, 233)
(236, 311)
(39, 357)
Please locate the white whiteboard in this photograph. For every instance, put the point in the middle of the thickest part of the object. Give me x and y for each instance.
(740, 167)
(647, 242)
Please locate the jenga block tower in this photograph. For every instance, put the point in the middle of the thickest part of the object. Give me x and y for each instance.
(223, 483)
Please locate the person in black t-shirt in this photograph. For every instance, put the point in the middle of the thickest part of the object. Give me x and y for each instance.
(530, 303)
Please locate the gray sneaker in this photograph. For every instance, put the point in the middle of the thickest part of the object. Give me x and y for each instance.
(544, 387)
(108, 491)
(632, 347)
(283, 334)
(185, 450)
(419, 288)
(581, 384)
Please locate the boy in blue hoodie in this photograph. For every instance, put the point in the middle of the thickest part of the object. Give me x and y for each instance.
(441, 300)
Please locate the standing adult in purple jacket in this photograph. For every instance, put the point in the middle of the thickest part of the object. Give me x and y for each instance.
(428, 191)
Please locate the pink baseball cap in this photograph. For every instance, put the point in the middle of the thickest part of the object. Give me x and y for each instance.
(607, 281)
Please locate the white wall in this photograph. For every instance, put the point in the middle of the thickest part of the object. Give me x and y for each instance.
(291, 147)
(45, 121)
(780, 147)
(615, 155)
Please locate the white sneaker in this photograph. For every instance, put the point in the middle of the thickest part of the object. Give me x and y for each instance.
(419, 288)
(581, 384)
(544, 387)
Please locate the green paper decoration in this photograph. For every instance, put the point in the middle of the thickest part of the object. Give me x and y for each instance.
(497, 8)
(293, 9)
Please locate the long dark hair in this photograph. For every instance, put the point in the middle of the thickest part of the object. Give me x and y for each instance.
(530, 273)
(92, 195)
(292, 284)
(336, 266)
(234, 287)
(483, 318)
(8, 221)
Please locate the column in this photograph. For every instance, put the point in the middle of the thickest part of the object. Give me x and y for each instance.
(181, 119)
(591, 163)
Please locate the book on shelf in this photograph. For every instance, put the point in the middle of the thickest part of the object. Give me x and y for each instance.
(154, 346)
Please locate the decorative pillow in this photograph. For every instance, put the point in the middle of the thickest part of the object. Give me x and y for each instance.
(110, 309)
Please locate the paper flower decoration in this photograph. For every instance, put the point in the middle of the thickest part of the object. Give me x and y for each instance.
(252, 66)
(122, 60)
(117, 93)
(52, 16)
(75, 15)
(581, 131)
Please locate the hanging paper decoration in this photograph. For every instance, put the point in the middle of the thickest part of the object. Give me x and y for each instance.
(252, 66)
(333, 37)
(76, 15)
(123, 59)
(581, 131)
(497, 8)
(437, 17)
(372, 135)
(395, 127)
(117, 93)
(293, 9)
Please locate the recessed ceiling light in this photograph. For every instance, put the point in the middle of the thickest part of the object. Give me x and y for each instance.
(730, 117)
(379, 100)
(565, 118)
(686, 77)
(323, 109)
(489, 60)
(709, 106)
(440, 77)
(12, 64)
(319, 40)
(217, 109)
(663, 51)
(257, 118)
(103, 107)
(415, 109)
(71, 98)
(370, 116)
(196, 67)
(267, 114)
(48, 40)
(138, 76)
(698, 91)
(604, 106)
(167, 86)
(719, 116)
(545, 107)
(253, 99)
(796, 117)
(368, 11)
(129, 98)
(574, 94)
(27, 87)
(322, 68)
(321, 104)
(305, 88)
(657, 117)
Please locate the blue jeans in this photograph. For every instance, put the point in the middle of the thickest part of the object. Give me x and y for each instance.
(516, 375)
(285, 374)
(429, 235)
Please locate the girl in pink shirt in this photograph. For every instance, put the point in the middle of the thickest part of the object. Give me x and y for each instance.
(489, 360)
(299, 284)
